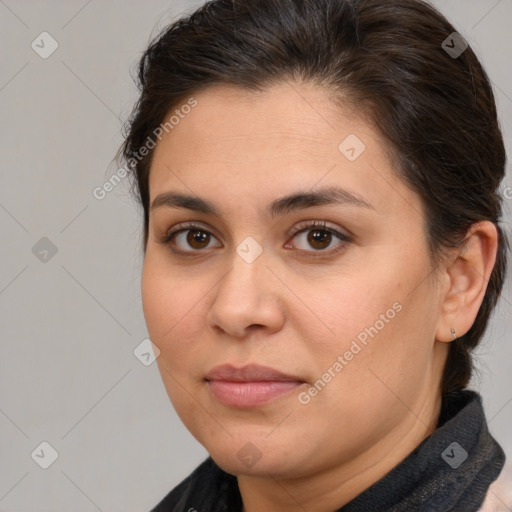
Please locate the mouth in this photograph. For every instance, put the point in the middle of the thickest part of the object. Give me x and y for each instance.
(250, 386)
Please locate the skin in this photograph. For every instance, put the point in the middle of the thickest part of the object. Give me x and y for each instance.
(296, 313)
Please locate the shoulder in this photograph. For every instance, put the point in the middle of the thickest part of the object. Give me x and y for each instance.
(499, 494)
(206, 484)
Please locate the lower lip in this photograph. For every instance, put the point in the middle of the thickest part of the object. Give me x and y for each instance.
(250, 394)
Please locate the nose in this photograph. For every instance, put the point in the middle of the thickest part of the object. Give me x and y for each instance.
(248, 298)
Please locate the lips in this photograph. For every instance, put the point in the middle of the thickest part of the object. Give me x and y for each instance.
(249, 386)
(249, 373)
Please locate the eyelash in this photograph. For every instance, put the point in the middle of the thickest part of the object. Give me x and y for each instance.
(305, 226)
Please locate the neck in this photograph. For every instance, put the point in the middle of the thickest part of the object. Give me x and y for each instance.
(334, 487)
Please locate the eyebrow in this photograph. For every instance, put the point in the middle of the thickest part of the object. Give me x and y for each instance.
(281, 206)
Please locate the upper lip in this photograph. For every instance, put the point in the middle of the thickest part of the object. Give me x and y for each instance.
(249, 373)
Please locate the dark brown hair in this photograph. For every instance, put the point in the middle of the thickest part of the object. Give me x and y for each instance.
(436, 110)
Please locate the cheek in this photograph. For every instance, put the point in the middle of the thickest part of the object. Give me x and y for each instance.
(377, 325)
(172, 305)
(354, 308)
(163, 302)
(156, 303)
(169, 308)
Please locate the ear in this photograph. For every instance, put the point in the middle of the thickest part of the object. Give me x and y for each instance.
(465, 278)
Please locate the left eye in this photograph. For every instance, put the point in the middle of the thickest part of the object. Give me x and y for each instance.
(319, 237)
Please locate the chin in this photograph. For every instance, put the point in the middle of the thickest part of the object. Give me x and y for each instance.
(232, 464)
(259, 457)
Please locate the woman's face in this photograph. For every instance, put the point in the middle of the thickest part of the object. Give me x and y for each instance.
(343, 324)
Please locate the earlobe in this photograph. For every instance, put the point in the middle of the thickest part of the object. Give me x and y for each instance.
(468, 275)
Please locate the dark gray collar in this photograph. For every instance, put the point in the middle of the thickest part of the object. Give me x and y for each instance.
(451, 470)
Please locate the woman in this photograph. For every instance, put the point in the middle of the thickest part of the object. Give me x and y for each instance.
(322, 252)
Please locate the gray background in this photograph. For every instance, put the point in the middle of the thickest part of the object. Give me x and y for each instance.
(68, 375)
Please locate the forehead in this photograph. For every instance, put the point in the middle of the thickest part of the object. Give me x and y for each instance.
(278, 139)
(228, 116)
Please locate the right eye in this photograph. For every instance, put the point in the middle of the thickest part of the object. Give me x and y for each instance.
(189, 235)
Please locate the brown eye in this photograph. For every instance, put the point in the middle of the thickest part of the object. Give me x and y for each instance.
(197, 239)
(188, 238)
(319, 237)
